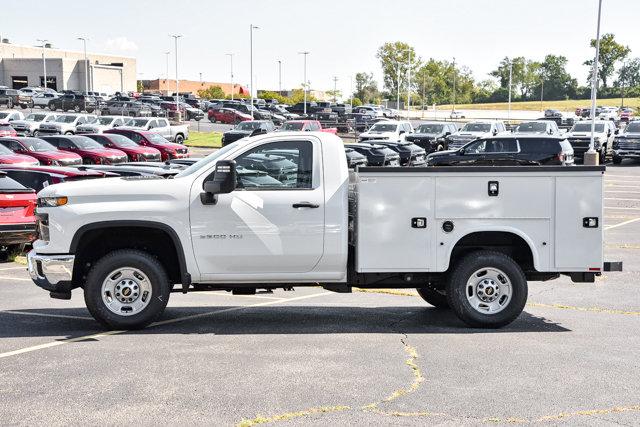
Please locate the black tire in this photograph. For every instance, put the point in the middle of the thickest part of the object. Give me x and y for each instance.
(127, 258)
(457, 289)
(602, 156)
(36, 133)
(179, 139)
(617, 160)
(434, 297)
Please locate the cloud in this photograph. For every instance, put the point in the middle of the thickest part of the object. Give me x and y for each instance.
(121, 43)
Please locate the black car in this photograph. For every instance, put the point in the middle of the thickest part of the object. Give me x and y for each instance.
(354, 159)
(277, 167)
(627, 144)
(410, 153)
(360, 121)
(247, 109)
(298, 108)
(507, 151)
(248, 128)
(377, 155)
(432, 136)
(8, 97)
(75, 102)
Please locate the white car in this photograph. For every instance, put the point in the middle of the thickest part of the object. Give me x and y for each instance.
(42, 100)
(174, 133)
(456, 115)
(29, 126)
(7, 116)
(388, 130)
(474, 130)
(65, 124)
(604, 134)
(541, 127)
(100, 124)
(282, 209)
(608, 113)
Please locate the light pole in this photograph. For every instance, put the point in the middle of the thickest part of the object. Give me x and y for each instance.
(510, 77)
(335, 89)
(409, 87)
(279, 77)
(304, 85)
(398, 94)
(541, 93)
(86, 65)
(351, 92)
(167, 72)
(590, 157)
(175, 40)
(454, 85)
(251, 28)
(44, 61)
(230, 55)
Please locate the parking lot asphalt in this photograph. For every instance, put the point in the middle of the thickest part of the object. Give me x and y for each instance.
(311, 357)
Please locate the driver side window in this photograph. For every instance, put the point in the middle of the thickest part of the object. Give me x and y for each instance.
(279, 165)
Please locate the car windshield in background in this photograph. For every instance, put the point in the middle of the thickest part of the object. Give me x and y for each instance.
(586, 127)
(207, 160)
(105, 120)
(3, 115)
(122, 141)
(156, 139)
(86, 143)
(430, 129)
(4, 150)
(532, 127)
(66, 119)
(35, 117)
(381, 127)
(292, 126)
(476, 127)
(248, 126)
(37, 145)
(137, 123)
(633, 127)
(8, 185)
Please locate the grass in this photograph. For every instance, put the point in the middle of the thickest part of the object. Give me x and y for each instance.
(569, 105)
(204, 139)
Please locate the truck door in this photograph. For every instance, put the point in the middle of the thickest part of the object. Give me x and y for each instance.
(272, 223)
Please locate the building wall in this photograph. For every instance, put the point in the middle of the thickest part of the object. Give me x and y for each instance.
(69, 66)
(169, 86)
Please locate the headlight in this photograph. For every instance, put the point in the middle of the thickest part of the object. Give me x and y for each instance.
(52, 202)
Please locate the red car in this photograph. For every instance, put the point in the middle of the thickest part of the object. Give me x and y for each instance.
(42, 151)
(17, 214)
(8, 157)
(91, 152)
(169, 150)
(7, 130)
(227, 115)
(135, 152)
(39, 177)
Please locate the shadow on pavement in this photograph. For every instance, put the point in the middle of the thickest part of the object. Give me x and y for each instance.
(273, 320)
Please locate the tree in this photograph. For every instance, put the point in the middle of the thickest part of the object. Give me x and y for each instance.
(274, 95)
(356, 102)
(366, 88)
(212, 92)
(558, 83)
(629, 74)
(394, 56)
(334, 94)
(524, 75)
(611, 52)
(140, 86)
(435, 80)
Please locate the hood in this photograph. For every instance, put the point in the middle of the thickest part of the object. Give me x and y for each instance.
(17, 159)
(629, 135)
(583, 134)
(57, 155)
(425, 135)
(474, 134)
(25, 124)
(105, 152)
(238, 132)
(93, 127)
(50, 125)
(442, 153)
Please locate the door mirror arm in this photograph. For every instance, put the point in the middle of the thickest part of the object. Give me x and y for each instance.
(222, 182)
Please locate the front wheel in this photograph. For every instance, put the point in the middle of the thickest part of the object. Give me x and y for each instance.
(617, 160)
(487, 289)
(179, 139)
(435, 297)
(127, 289)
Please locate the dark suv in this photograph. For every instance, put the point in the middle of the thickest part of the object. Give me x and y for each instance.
(246, 109)
(75, 102)
(432, 136)
(8, 97)
(521, 150)
(248, 128)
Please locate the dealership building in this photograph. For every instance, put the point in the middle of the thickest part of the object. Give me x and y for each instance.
(22, 66)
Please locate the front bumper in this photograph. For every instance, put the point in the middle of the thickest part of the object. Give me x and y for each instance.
(51, 272)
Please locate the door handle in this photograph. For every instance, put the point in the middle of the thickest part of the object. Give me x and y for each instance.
(305, 205)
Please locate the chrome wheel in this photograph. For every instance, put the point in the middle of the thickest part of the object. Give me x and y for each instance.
(489, 290)
(126, 291)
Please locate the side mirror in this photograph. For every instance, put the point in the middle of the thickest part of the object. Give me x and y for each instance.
(223, 182)
(447, 134)
(461, 151)
(401, 132)
(617, 131)
(495, 131)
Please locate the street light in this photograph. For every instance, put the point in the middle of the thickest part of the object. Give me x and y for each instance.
(454, 86)
(409, 86)
(86, 65)
(590, 156)
(510, 79)
(279, 77)
(335, 88)
(251, 28)
(175, 39)
(44, 60)
(167, 72)
(230, 55)
(304, 84)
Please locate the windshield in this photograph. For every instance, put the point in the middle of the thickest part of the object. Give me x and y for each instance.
(4, 150)
(155, 138)
(3, 115)
(292, 126)
(476, 127)
(121, 141)
(105, 120)
(531, 127)
(8, 185)
(633, 127)
(139, 123)
(37, 145)
(248, 126)
(35, 117)
(382, 127)
(86, 143)
(66, 119)
(586, 127)
(430, 128)
(207, 160)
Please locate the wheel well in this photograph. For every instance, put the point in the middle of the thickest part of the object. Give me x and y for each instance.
(510, 244)
(93, 244)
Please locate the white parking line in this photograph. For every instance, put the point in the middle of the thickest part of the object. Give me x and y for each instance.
(60, 316)
(13, 268)
(22, 279)
(620, 224)
(627, 200)
(163, 322)
(621, 186)
(624, 209)
(622, 191)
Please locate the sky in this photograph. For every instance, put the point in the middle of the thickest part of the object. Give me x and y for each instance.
(341, 36)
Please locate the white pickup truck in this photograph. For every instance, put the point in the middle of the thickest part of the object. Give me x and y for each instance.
(282, 210)
(174, 133)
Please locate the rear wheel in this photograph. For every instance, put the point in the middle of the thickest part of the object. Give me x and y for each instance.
(179, 139)
(435, 297)
(602, 155)
(617, 160)
(127, 289)
(487, 289)
(36, 133)
(10, 103)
